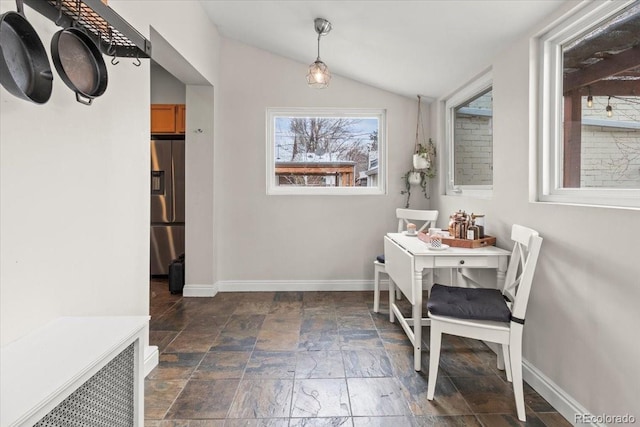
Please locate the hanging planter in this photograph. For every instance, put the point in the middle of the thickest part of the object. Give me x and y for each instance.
(414, 178)
(423, 164)
(421, 161)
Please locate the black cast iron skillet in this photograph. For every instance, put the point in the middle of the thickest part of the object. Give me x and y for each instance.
(79, 63)
(24, 66)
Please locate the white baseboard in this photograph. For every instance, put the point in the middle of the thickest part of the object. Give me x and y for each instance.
(545, 387)
(566, 405)
(210, 290)
(295, 285)
(196, 290)
(151, 358)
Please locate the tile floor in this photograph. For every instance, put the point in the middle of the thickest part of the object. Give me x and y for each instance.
(314, 359)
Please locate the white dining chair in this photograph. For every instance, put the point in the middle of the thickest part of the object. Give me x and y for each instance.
(424, 219)
(492, 315)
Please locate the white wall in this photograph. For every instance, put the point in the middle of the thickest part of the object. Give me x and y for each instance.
(74, 211)
(74, 208)
(165, 87)
(280, 238)
(582, 318)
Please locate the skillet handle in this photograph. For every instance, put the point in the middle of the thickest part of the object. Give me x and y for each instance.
(20, 7)
(81, 100)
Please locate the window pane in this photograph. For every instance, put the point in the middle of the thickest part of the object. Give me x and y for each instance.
(473, 140)
(326, 151)
(601, 81)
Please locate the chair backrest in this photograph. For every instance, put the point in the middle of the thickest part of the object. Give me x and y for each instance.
(522, 265)
(406, 216)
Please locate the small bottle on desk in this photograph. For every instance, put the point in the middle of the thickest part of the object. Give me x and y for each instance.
(473, 231)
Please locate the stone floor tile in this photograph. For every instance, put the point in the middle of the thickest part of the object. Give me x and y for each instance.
(244, 322)
(377, 397)
(553, 419)
(271, 364)
(235, 341)
(192, 342)
(321, 422)
(161, 338)
(354, 339)
(447, 400)
(366, 363)
(313, 398)
(509, 420)
(204, 399)
(486, 394)
(222, 365)
(159, 395)
(319, 364)
(316, 341)
(274, 359)
(261, 398)
(392, 421)
(175, 366)
(447, 421)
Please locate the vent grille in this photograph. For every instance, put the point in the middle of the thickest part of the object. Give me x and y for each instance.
(105, 400)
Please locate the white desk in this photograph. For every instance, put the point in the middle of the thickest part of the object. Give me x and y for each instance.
(405, 259)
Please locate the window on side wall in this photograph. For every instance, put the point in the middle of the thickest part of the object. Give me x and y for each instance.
(326, 151)
(469, 136)
(589, 107)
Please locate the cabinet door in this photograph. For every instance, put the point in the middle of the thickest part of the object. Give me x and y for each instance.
(181, 118)
(163, 118)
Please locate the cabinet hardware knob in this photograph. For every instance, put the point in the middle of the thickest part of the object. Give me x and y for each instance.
(461, 261)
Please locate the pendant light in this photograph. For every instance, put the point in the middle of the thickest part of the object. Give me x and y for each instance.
(609, 108)
(319, 76)
(589, 98)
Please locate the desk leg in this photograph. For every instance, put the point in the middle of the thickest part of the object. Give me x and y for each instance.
(392, 293)
(417, 319)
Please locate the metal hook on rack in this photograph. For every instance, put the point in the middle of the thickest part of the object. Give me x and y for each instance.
(111, 50)
(79, 4)
(77, 22)
(58, 21)
(137, 63)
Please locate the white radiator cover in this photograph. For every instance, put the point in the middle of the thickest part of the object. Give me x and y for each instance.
(76, 371)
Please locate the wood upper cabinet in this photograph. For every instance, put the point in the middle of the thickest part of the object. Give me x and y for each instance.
(168, 118)
(181, 118)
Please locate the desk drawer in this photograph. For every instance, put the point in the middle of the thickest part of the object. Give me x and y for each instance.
(470, 262)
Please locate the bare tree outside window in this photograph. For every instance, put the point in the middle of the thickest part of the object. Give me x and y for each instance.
(322, 151)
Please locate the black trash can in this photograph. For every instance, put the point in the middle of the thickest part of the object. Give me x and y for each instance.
(176, 275)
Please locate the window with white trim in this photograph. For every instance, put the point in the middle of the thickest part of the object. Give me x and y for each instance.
(326, 151)
(469, 139)
(588, 115)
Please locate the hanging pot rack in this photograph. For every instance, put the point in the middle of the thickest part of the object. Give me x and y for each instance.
(112, 34)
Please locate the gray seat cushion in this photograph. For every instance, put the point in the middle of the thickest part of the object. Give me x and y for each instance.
(380, 258)
(468, 303)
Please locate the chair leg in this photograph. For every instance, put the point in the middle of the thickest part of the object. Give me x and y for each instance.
(392, 286)
(507, 361)
(434, 358)
(398, 294)
(376, 290)
(515, 351)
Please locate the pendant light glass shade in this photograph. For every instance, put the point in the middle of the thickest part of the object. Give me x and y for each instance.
(319, 75)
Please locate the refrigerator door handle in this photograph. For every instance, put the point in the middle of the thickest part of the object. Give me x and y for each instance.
(157, 182)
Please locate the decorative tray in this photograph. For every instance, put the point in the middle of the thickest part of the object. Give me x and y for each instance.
(464, 243)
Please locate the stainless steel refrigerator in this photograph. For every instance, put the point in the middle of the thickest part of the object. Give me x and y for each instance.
(167, 203)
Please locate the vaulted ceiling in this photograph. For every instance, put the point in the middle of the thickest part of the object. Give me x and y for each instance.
(427, 47)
